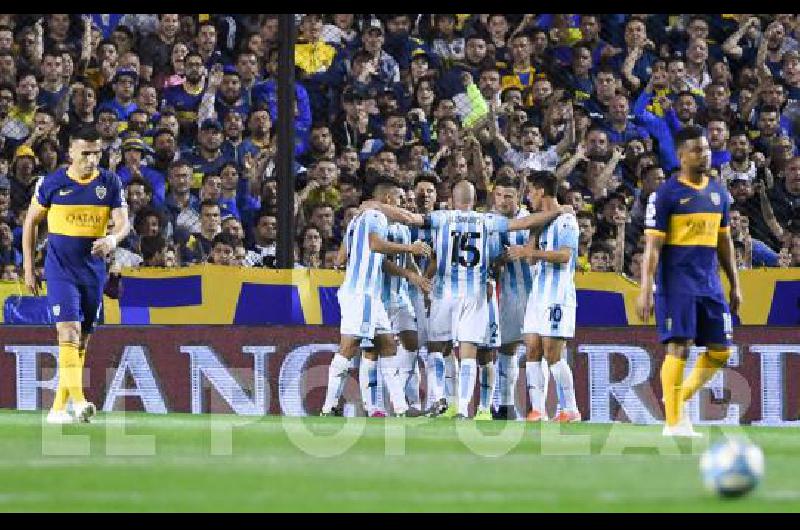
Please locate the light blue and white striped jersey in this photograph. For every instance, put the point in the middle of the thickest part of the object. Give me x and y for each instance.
(517, 276)
(554, 283)
(462, 247)
(395, 288)
(364, 273)
(427, 235)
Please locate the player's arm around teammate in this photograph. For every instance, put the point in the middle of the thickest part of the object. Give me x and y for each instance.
(382, 246)
(538, 219)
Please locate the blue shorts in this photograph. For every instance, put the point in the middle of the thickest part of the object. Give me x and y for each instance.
(705, 319)
(70, 302)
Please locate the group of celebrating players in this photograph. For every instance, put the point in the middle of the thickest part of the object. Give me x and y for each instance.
(487, 282)
(479, 283)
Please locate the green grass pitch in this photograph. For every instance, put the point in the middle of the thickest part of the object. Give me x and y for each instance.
(182, 462)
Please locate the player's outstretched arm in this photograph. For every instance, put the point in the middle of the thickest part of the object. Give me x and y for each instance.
(535, 220)
(727, 259)
(36, 214)
(382, 246)
(652, 251)
(529, 251)
(394, 213)
(104, 245)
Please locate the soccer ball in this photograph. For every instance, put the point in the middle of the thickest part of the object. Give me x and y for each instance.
(732, 468)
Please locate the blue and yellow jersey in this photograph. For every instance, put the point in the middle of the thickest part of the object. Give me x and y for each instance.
(521, 79)
(78, 214)
(690, 218)
(185, 103)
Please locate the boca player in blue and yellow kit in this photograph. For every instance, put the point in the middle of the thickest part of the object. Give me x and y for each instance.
(77, 202)
(688, 238)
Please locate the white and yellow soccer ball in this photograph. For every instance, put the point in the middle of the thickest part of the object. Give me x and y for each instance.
(732, 467)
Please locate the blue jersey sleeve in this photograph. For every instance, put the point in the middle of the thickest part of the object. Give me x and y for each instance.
(657, 212)
(116, 191)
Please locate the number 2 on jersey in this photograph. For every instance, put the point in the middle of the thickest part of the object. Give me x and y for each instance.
(465, 254)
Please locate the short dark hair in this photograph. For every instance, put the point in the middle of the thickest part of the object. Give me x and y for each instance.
(507, 182)
(769, 108)
(209, 203)
(144, 213)
(178, 163)
(546, 181)
(87, 133)
(225, 238)
(426, 177)
(600, 246)
(690, 132)
(382, 186)
(151, 245)
(162, 131)
(265, 213)
(136, 180)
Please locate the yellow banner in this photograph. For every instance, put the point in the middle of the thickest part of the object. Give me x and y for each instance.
(223, 294)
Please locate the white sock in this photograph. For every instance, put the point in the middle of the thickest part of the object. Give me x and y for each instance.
(337, 373)
(390, 370)
(435, 375)
(533, 372)
(507, 374)
(409, 375)
(451, 377)
(368, 382)
(487, 384)
(546, 386)
(562, 373)
(469, 372)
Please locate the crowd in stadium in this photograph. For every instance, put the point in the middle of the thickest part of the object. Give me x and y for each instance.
(186, 107)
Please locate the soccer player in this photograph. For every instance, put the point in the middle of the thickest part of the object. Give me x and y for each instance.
(459, 309)
(425, 193)
(492, 340)
(516, 283)
(398, 270)
(363, 313)
(77, 202)
(688, 237)
(550, 312)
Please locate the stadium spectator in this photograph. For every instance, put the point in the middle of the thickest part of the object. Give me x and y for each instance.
(222, 249)
(183, 99)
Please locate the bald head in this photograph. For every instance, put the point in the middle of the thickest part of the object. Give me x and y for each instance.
(463, 195)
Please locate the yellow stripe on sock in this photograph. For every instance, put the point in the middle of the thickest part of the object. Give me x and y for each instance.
(707, 365)
(671, 377)
(71, 368)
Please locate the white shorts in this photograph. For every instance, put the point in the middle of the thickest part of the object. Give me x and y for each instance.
(549, 320)
(421, 315)
(402, 318)
(463, 319)
(512, 307)
(363, 315)
(493, 338)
